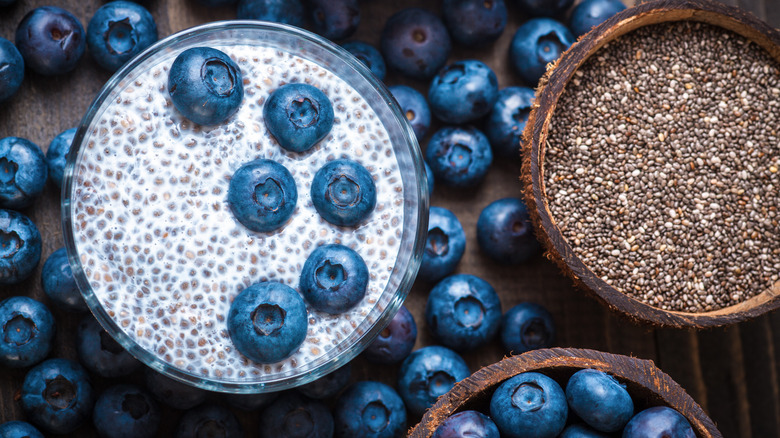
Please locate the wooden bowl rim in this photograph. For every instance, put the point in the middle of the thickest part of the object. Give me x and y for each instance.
(550, 89)
(640, 371)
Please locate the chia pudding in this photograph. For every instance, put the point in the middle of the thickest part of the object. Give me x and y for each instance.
(162, 252)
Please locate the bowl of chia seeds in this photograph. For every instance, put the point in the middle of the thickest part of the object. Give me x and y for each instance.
(651, 164)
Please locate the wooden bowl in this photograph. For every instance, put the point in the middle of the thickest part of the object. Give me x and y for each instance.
(647, 385)
(550, 90)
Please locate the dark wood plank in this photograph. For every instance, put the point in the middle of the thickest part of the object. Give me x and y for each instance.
(761, 378)
(678, 356)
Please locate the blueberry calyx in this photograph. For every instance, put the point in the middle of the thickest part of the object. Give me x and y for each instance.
(375, 416)
(344, 192)
(438, 242)
(119, 37)
(219, 77)
(528, 397)
(10, 243)
(7, 168)
(469, 312)
(268, 319)
(107, 343)
(19, 330)
(330, 276)
(59, 392)
(439, 383)
(303, 112)
(135, 405)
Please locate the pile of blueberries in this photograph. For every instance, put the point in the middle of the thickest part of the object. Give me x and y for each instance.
(463, 311)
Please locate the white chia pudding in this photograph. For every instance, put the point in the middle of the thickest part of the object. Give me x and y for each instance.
(159, 245)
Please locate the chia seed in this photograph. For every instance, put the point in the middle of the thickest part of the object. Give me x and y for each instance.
(661, 166)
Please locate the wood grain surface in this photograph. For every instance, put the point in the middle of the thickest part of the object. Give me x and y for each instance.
(732, 373)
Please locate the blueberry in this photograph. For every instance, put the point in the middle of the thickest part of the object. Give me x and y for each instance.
(463, 91)
(205, 85)
(396, 341)
(118, 31)
(427, 374)
(343, 192)
(658, 422)
(262, 195)
(173, 393)
(581, 431)
(57, 396)
(505, 232)
(369, 56)
(459, 156)
(267, 321)
(591, 13)
(126, 411)
(536, 43)
(328, 385)
(12, 73)
(415, 42)
(100, 353)
(415, 108)
(23, 172)
(59, 284)
(293, 415)
(51, 40)
(19, 429)
(334, 279)
(599, 400)
(250, 402)
(429, 178)
(444, 245)
(279, 11)
(545, 8)
(20, 246)
(370, 409)
(526, 327)
(298, 116)
(529, 405)
(506, 121)
(334, 19)
(209, 421)
(57, 155)
(467, 424)
(216, 3)
(475, 22)
(26, 332)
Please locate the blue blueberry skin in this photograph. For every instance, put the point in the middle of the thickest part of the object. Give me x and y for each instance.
(209, 421)
(505, 232)
(581, 431)
(396, 341)
(427, 374)
(474, 23)
(343, 192)
(279, 11)
(529, 405)
(370, 409)
(100, 353)
(59, 284)
(26, 332)
(298, 116)
(415, 43)
(536, 43)
(459, 156)
(293, 415)
(463, 91)
(505, 123)
(414, 107)
(591, 13)
(57, 155)
(334, 19)
(20, 247)
(328, 385)
(12, 75)
(334, 279)
(57, 396)
(599, 400)
(51, 40)
(126, 411)
(262, 195)
(250, 402)
(118, 31)
(205, 85)
(467, 424)
(444, 245)
(429, 178)
(658, 422)
(463, 312)
(369, 56)
(23, 172)
(19, 429)
(173, 393)
(267, 321)
(545, 8)
(526, 327)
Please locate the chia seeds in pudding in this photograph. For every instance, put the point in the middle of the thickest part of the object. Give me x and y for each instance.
(661, 167)
(160, 247)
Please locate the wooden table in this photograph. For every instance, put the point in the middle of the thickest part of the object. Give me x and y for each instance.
(733, 372)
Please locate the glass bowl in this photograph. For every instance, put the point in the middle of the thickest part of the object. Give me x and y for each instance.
(153, 245)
